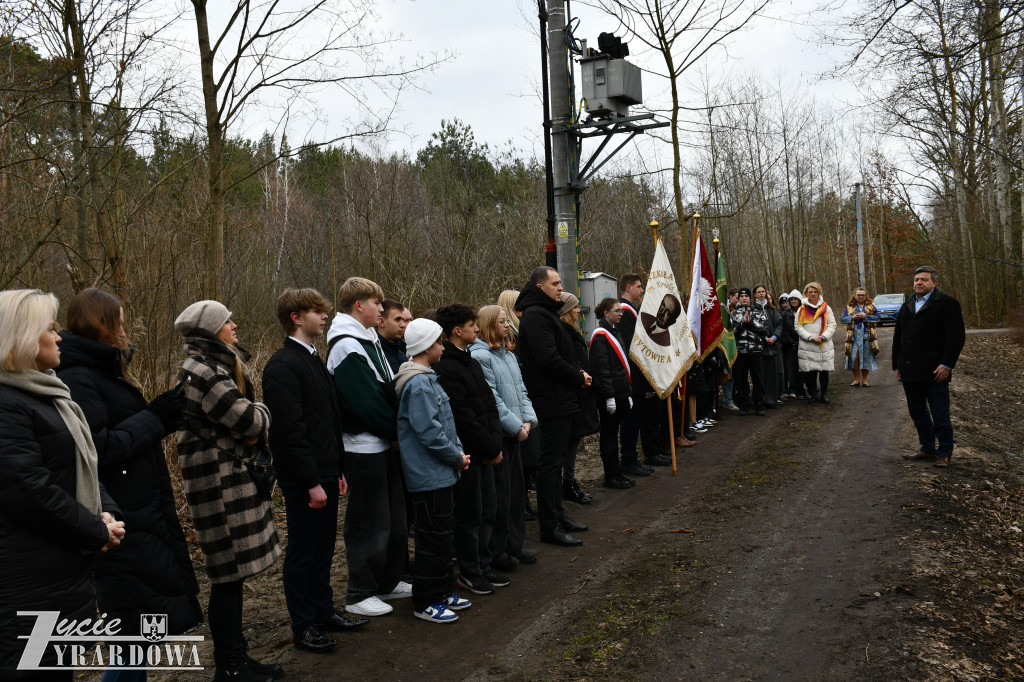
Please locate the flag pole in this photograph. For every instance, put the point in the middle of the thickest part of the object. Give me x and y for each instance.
(688, 401)
(668, 401)
(718, 374)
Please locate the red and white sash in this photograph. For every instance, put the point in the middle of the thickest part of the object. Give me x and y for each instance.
(614, 343)
(626, 306)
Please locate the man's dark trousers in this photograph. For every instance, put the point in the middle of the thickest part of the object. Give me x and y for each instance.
(376, 534)
(747, 365)
(641, 418)
(928, 403)
(309, 555)
(554, 441)
(433, 577)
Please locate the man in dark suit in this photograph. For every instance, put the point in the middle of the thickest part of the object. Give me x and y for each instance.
(308, 456)
(927, 341)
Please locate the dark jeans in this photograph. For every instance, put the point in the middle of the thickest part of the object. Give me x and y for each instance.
(771, 364)
(433, 577)
(554, 441)
(747, 366)
(510, 509)
(812, 379)
(225, 617)
(793, 383)
(376, 536)
(475, 506)
(306, 574)
(609, 438)
(928, 403)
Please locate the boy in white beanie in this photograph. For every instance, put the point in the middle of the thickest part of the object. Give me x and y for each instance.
(432, 458)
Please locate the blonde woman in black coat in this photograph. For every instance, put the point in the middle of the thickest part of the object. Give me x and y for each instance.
(54, 514)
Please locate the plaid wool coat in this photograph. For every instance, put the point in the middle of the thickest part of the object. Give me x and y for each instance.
(233, 523)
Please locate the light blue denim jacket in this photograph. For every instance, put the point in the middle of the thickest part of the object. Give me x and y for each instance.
(427, 439)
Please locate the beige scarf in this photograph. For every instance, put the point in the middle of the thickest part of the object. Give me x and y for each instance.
(47, 385)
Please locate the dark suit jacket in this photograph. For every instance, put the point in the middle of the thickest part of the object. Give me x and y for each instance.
(304, 431)
(932, 336)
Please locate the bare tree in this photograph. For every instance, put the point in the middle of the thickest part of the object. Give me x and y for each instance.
(270, 47)
(682, 33)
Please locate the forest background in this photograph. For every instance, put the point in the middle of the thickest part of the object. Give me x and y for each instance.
(121, 168)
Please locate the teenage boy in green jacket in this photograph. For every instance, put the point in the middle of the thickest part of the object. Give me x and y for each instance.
(376, 532)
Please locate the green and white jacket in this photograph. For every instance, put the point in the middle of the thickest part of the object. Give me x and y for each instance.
(365, 385)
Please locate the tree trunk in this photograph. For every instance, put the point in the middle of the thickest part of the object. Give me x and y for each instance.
(215, 142)
(1000, 140)
(111, 252)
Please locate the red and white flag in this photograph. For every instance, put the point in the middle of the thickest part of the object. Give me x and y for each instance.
(704, 311)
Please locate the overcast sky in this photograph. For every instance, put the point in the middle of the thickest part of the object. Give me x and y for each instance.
(491, 83)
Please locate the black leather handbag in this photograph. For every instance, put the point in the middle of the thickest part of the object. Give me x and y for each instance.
(261, 470)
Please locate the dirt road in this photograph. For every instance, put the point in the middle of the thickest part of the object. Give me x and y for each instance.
(786, 543)
(774, 554)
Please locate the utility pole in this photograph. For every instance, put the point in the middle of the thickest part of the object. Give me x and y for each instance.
(563, 144)
(549, 186)
(860, 239)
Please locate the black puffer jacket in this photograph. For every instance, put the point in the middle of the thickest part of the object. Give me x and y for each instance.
(472, 403)
(550, 369)
(789, 336)
(611, 379)
(150, 572)
(774, 329)
(48, 540)
(305, 435)
(587, 420)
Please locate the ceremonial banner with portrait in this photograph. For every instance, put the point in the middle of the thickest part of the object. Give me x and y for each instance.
(662, 346)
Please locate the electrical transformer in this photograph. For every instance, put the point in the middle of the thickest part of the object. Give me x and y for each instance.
(593, 287)
(610, 86)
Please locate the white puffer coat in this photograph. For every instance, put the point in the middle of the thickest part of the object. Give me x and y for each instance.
(812, 357)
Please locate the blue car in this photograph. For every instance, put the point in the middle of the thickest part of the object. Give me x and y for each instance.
(888, 306)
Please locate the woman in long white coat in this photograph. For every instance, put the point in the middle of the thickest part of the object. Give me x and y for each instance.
(815, 325)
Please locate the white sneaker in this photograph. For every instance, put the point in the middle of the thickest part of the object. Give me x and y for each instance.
(371, 606)
(730, 406)
(401, 591)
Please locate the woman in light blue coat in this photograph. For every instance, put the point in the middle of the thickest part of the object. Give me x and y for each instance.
(515, 411)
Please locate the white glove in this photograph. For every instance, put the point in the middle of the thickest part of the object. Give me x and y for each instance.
(630, 403)
(610, 405)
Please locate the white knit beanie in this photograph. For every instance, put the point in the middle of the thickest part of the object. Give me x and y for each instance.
(421, 335)
(207, 316)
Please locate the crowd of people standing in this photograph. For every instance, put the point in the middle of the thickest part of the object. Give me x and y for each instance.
(435, 428)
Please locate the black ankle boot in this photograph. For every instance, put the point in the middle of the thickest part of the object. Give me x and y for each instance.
(232, 668)
(273, 670)
(585, 498)
(824, 398)
(571, 492)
